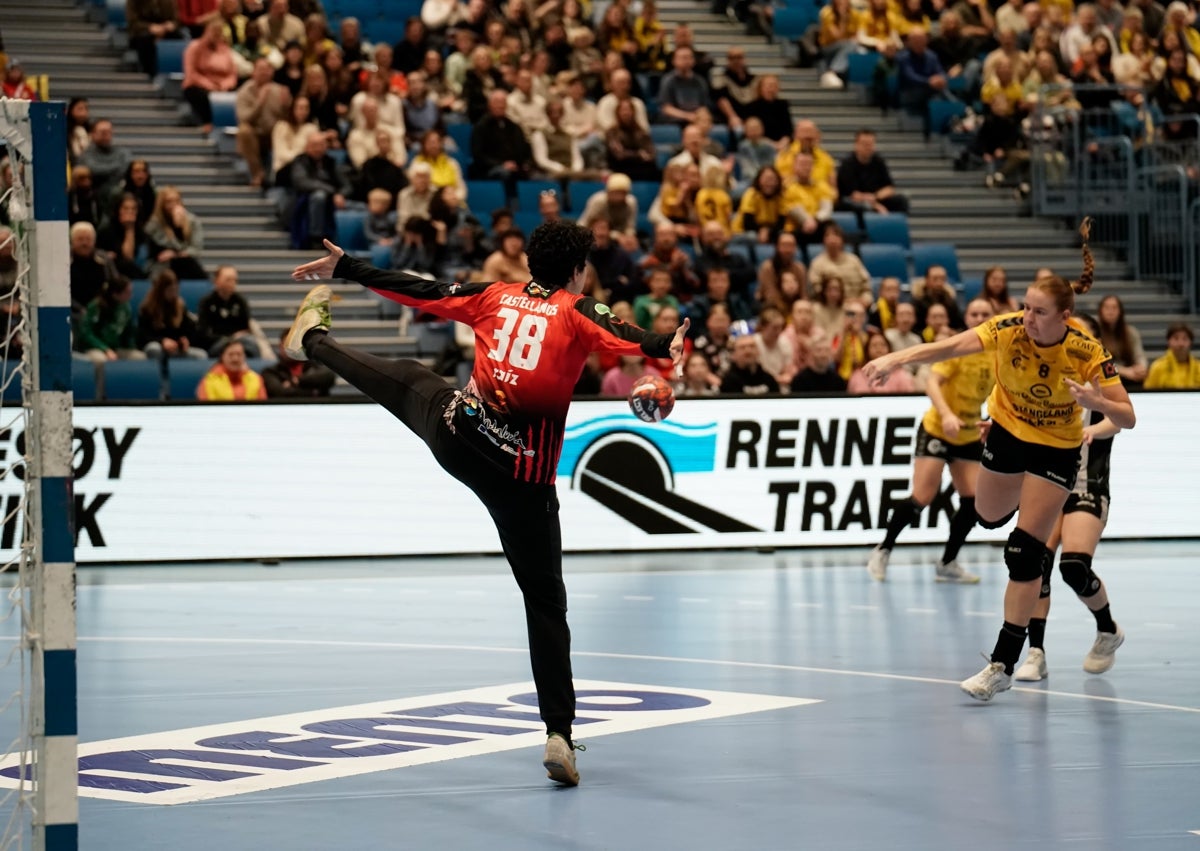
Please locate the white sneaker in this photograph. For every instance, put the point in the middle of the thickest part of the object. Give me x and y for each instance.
(559, 761)
(830, 80)
(313, 313)
(1104, 651)
(987, 683)
(1034, 668)
(952, 572)
(877, 563)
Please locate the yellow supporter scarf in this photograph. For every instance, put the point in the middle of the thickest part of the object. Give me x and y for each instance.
(887, 318)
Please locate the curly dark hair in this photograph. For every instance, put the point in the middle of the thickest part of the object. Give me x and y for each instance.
(556, 251)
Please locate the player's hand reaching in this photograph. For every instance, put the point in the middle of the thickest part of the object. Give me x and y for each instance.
(1087, 395)
(677, 347)
(319, 270)
(951, 426)
(876, 371)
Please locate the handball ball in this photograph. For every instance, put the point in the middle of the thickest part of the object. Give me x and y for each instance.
(651, 399)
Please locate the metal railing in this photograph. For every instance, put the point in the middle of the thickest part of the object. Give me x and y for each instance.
(1107, 154)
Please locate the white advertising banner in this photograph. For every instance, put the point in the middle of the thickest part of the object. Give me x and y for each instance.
(279, 481)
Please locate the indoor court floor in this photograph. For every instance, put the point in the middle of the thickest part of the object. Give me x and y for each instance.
(741, 700)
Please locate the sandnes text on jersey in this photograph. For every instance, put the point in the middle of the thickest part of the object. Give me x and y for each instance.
(533, 305)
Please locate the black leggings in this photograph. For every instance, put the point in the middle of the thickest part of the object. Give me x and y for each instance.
(525, 514)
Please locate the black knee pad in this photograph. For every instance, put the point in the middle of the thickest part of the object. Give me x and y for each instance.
(1047, 570)
(1077, 572)
(996, 524)
(1024, 556)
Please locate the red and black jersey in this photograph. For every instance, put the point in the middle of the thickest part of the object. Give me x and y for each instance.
(531, 343)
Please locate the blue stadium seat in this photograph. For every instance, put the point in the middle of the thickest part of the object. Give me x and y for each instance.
(526, 220)
(884, 261)
(83, 380)
(888, 228)
(223, 107)
(461, 134)
(791, 22)
(191, 290)
(141, 287)
(942, 112)
(183, 376)
(115, 13)
(529, 190)
(926, 254)
(387, 30)
(580, 191)
(848, 222)
(132, 380)
(670, 135)
(861, 71)
(483, 196)
(645, 191)
(350, 235)
(433, 337)
(381, 256)
(170, 55)
(971, 288)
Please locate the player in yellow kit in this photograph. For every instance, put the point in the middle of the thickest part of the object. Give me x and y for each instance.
(1047, 372)
(948, 436)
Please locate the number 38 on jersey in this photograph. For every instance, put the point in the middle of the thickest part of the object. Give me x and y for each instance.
(518, 341)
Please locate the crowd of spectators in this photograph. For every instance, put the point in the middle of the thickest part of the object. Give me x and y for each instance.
(739, 236)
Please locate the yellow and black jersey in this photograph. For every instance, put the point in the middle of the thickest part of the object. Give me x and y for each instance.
(758, 211)
(969, 382)
(1030, 399)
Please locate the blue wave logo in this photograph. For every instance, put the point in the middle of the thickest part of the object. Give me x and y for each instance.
(687, 448)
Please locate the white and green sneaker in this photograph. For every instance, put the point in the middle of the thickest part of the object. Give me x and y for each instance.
(313, 313)
(559, 760)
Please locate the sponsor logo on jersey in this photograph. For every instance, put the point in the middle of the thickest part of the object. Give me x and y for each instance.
(537, 290)
(217, 761)
(1041, 391)
(1108, 369)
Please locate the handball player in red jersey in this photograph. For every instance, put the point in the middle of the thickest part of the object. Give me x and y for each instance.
(501, 434)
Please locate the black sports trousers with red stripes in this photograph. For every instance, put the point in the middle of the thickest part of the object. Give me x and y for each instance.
(525, 513)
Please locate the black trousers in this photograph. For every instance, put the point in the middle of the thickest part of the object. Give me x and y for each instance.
(525, 514)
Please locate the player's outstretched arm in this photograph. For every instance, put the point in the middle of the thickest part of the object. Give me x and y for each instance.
(339, 264)
(963, 343)
(319, 270)
(677, 346)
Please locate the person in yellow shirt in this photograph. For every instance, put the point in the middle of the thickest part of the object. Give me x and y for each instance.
(761, 213)
(807, 140)
(808, 202)
(1047, 371)
(713, 203)
(947, 437)
(1084, 517)
(1002, 81)
(1177, 369)
(839, 23)
(231, 379)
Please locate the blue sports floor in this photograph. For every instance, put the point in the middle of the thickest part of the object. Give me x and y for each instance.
(891, 755)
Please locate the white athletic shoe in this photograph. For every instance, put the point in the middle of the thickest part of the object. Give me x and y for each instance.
(877, 563)
(1104, 651)
(1034, 668)
(830, 80)
(559, 761)
(987, 683)
(953, 572)
(313, 313)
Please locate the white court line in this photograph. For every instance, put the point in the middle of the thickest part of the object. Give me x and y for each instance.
(596, 654)
(693, 599)
(981, 614)
(751, 602)
(469, 592)
(808, 605)
(860, 608)
(638, 598)
(922, 611)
